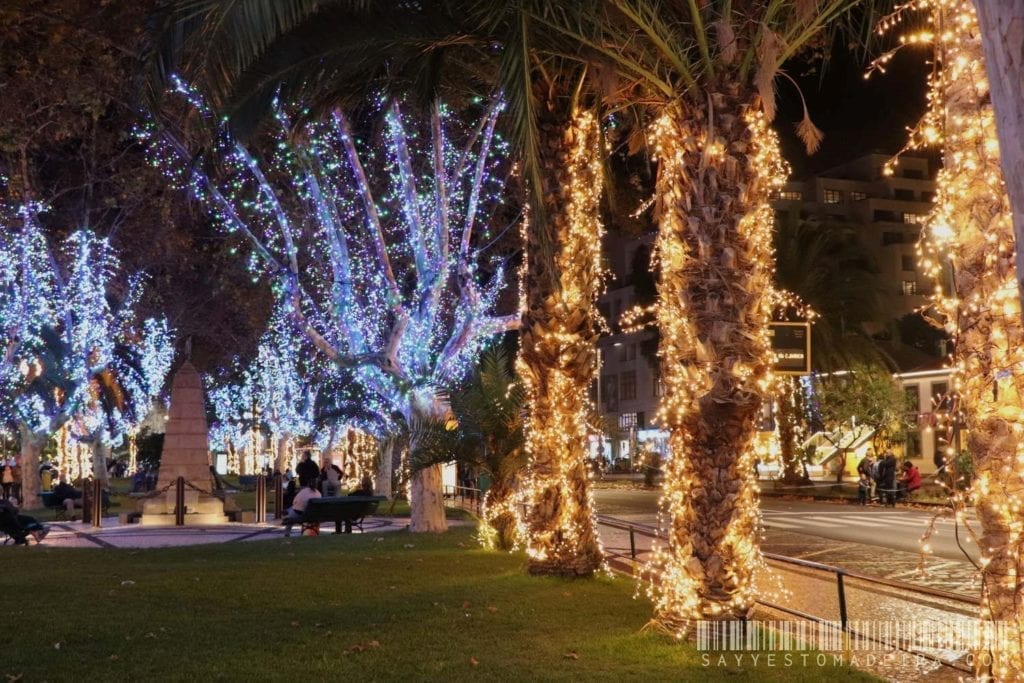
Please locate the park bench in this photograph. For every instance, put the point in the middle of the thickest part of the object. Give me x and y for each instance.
(347, 510)
(50, 502)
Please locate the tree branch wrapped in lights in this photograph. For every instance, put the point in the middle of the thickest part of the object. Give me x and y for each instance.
(379, 256)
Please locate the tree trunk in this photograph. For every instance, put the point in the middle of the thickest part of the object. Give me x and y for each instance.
(1002, 36)
(558, 344)
(99, 461)
(31, 449)
(385, 467)
(284, 444)
(973, 227)
(426, 490)
(719, 163)
(500, 515)
(790, 407)
(427, 502)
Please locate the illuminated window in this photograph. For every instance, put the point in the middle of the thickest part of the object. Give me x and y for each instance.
(833, 196)
(914, 218)
(627, 420)
(858, 196)
(791, 195)
(909, 287)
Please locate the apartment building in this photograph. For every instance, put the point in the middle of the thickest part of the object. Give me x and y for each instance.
(887, 208)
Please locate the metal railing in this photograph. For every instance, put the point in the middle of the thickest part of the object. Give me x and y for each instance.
(634, 529)
(467, 497)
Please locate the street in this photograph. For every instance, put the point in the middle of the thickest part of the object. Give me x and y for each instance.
(827, 531)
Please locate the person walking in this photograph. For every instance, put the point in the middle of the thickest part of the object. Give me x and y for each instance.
(887, 478)
(307, 470)
(7, 477)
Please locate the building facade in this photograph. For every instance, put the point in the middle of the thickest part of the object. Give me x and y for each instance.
(886, 207)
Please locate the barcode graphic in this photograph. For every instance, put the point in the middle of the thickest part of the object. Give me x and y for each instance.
(956, 635)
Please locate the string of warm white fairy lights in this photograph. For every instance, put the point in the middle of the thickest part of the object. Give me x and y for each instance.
(707, 569)
(561, 527)
(969, 249)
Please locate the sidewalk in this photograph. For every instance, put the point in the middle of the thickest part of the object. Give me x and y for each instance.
(113, 534)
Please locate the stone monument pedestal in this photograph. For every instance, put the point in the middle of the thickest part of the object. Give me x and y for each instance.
(186, 454)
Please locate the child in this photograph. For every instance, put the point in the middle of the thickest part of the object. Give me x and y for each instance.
(863, 488)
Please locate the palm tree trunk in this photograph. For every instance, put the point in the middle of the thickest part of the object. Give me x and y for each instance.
(558, 345)
(718, 165)
(499, 514)
(1002, 35)
(789, 406)
(973, 227)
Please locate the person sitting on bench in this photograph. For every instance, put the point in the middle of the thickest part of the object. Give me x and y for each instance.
(911, 479)
(365, 487)
(68, 496)
(18, 526)
(298, 508)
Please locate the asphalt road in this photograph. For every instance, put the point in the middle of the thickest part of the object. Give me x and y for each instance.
(900, 528)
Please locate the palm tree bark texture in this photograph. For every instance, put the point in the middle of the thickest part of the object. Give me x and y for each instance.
(718, 165)
(558, 356)
(972, 228)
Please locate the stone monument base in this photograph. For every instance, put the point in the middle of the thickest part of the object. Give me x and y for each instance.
(200, 509)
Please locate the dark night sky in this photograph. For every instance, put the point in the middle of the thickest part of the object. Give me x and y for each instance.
(856, 115)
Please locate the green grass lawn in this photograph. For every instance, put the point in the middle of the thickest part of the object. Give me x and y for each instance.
(366, 607)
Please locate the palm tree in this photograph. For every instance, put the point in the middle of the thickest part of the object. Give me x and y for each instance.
(706, 72)
(489, 436)
(827, 267)
(263, 47)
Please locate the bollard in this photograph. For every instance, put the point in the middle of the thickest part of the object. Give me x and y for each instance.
(278, 496)
(179, 502)
(261, 499)
(96, 507)
(632, 543)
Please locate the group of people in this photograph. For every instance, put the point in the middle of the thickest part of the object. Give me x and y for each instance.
(10, 477)
(316, 482)
(878, 479)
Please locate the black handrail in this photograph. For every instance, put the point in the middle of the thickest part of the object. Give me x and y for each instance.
(653, 532)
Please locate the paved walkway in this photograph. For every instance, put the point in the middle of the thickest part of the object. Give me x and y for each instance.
(113, 534)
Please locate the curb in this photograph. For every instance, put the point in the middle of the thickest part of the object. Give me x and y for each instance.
(843, 499)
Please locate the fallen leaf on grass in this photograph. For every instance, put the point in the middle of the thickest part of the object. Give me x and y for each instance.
(467, 604)
(128, 582)
(567, 594)
(114, 658)
(151, 635)
(571, 655)
(295, 623)
(361, 647)
(492, 609)
(473, 661)
(56, 646)
(409, 545)
(11, 678)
